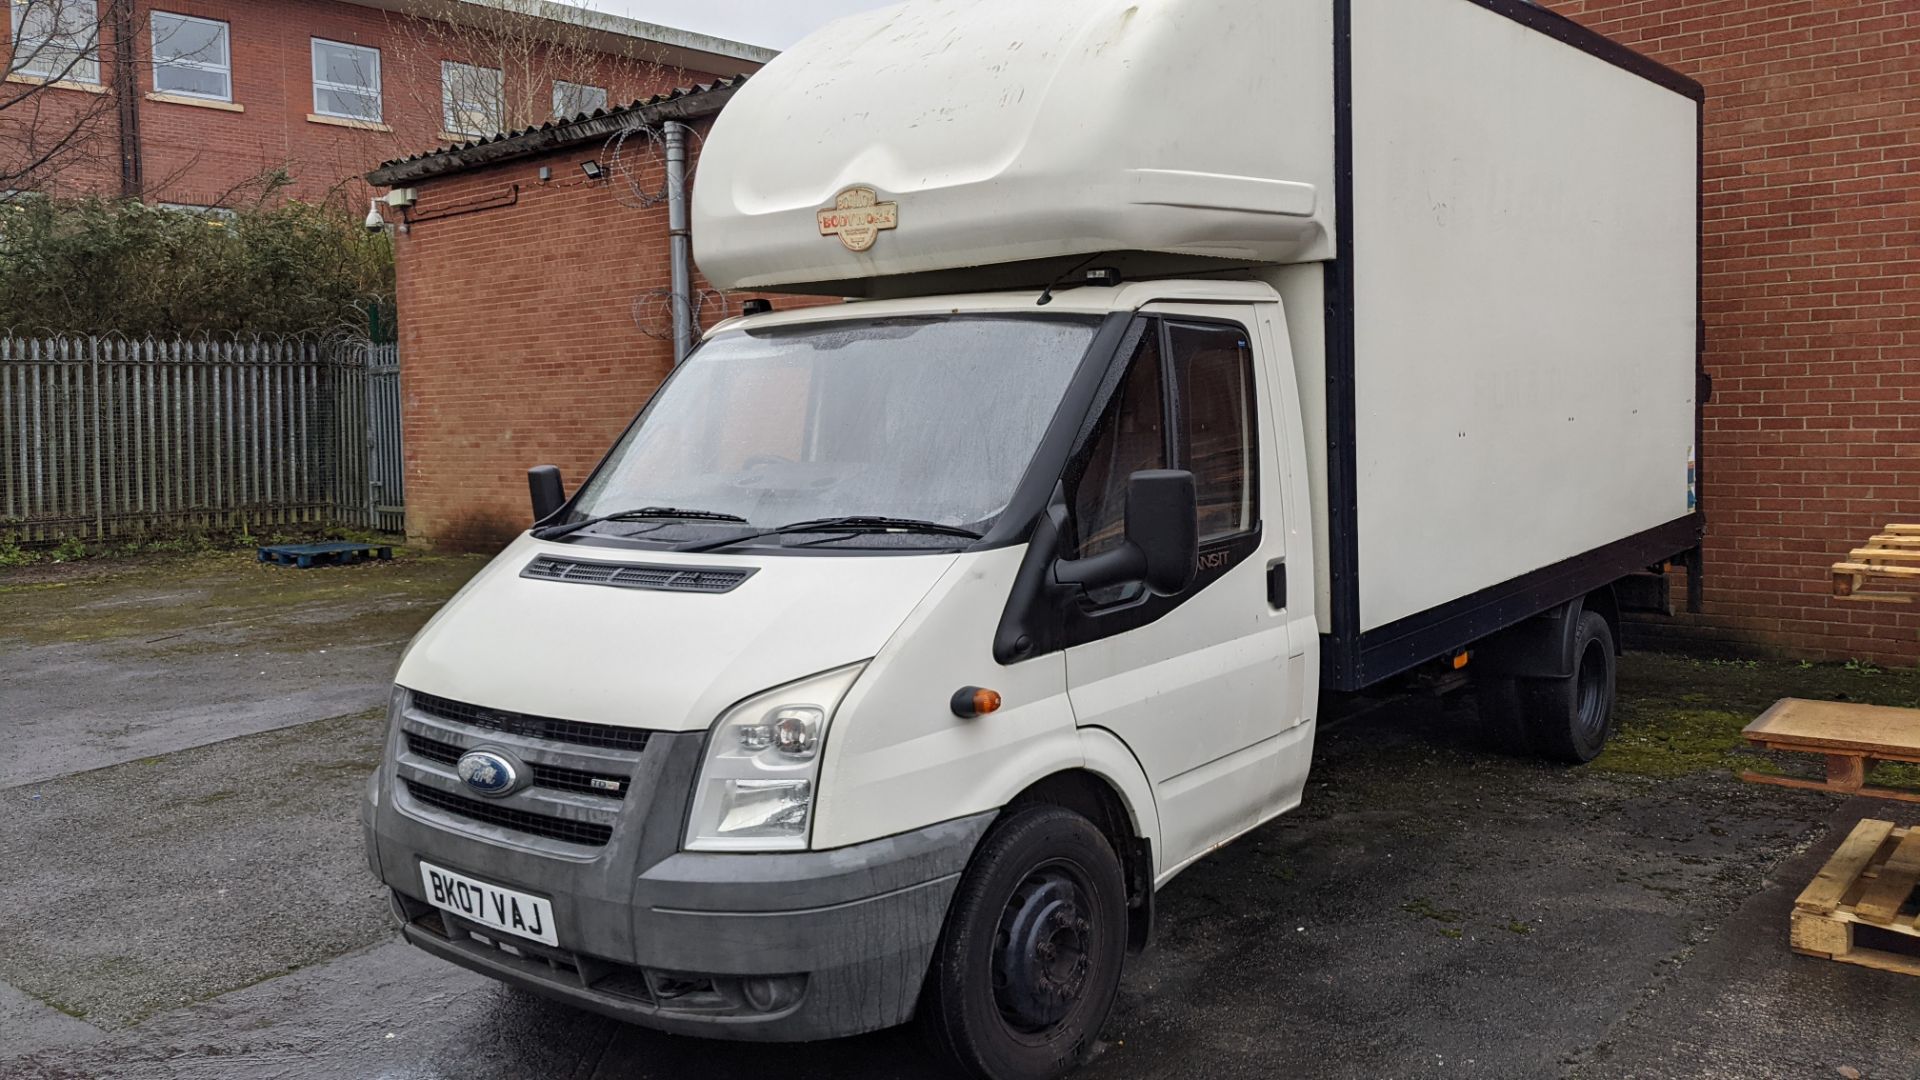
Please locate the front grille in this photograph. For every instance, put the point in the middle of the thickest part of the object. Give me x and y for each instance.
(553, 828)
(546, 776)
(605, 736)
(433, 749)
(631, 576)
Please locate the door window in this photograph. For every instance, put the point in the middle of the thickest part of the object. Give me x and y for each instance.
(1213, 369)
(1131, 437)
(1185, 402)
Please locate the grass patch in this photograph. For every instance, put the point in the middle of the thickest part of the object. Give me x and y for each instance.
(1655, 741)
(1895, 774)
(1679, 715)
(1427, 909)
(209, 601)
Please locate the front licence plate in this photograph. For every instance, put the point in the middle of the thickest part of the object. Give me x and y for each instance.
(489, 905)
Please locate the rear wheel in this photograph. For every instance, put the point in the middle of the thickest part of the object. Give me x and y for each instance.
(1029, 962)
(1575, 715)
(1565, 719)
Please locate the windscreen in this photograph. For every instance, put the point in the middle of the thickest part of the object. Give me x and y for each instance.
(928, 419)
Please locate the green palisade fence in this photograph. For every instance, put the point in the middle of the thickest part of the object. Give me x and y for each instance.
(103, 438)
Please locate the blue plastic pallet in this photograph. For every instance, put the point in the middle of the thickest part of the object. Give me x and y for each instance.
(308, 556)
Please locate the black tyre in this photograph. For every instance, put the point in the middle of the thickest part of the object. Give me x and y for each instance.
(1029, 962)
(1567, 719)
(1571, 719)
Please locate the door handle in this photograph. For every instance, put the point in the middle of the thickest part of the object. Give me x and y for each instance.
(1277, 584)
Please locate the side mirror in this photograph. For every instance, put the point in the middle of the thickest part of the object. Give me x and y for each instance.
(549, 495)
(1163, 520)
(1163, 539)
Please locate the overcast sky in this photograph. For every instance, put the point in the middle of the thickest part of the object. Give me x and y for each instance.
(775, 23)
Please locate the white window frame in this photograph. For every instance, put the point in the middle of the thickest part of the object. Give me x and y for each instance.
(225, 70)
(561, 87)
(85, 66)
(319, 84)
(219, 213)
(450, 109)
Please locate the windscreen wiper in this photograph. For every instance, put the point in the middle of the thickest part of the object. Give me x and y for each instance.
(850, 525)
(650, 513)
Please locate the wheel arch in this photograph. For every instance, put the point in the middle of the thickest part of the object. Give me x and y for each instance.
(1098, 792)
(1606, 604)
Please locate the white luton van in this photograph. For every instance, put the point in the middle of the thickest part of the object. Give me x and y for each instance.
(1206, 357)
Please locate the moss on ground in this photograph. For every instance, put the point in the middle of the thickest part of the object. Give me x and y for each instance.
(208, 601)
(1679, 715)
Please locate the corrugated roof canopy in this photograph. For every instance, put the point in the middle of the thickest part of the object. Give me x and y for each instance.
(686, 103)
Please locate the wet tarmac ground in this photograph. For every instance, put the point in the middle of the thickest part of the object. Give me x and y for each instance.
(189, 900)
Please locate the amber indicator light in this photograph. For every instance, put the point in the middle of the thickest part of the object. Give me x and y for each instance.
(972, 701)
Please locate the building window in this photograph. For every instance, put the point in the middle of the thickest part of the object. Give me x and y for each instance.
(470, 99)
(190, 57)
(211, 213)
(56, 39)
(346, 81)
(572, 99)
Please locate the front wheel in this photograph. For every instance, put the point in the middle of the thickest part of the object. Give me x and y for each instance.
(1029, 961)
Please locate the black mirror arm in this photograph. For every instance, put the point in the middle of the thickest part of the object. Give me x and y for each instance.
(1117, 567)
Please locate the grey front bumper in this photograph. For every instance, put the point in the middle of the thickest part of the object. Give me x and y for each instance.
(769, 947)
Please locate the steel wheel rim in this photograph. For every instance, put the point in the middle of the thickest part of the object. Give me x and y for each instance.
(1043, 945)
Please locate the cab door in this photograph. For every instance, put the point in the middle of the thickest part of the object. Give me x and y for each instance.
(1196, 684)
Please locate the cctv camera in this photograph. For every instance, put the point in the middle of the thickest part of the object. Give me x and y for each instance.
(375, 223)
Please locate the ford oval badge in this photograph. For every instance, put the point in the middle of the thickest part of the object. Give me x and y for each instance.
(489, 773)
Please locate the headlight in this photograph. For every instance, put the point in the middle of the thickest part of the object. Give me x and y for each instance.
(756, 787)
(396, 705)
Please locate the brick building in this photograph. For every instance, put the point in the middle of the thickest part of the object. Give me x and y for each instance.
(193, 102)
(523, 344)
(534, 319)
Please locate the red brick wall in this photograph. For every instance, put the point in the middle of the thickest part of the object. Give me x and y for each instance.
(202, 156)
(1812, 302)
(522, 336)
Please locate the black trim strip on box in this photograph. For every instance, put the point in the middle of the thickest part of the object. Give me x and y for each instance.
(1350, 660)
(1389, 650)
(1560, 28)
(1339, 656)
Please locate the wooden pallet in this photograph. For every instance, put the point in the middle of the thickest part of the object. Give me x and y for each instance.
(308, 556)
(1869, 882)
(1851, 737)
(1877, 572)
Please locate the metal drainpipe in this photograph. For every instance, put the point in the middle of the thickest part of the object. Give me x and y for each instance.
(126, 92)
(680, 237)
